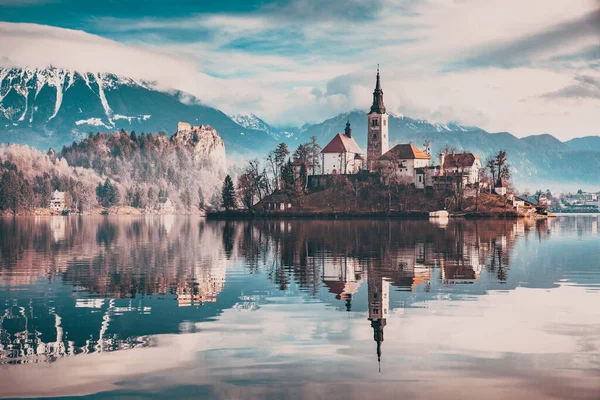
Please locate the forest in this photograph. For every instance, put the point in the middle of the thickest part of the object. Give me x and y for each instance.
(107, 169)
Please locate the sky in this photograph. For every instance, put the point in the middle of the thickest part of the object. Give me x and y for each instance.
(525, 67)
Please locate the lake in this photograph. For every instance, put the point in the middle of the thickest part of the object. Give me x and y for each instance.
(179, 307)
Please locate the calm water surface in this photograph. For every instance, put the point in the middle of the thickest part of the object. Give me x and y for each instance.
(180, 307)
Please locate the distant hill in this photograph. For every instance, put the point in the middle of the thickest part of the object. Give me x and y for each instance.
(53, 107)
(589, 143)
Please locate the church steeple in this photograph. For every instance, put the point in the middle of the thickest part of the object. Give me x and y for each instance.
(378, 106)
(348, 129)
(377, 139)
(377, 326)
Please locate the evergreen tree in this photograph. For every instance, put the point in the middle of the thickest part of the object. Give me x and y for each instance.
(10, 191)
(200, 199)
(303, 176)
(215, 200)
(287, 174)
(228, 193)
(107, 194)
(186, 198)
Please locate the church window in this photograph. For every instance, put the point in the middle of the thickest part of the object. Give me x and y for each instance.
(375, 295)
(384, 122)
(374, 137)
(376, 311)
(374, 122)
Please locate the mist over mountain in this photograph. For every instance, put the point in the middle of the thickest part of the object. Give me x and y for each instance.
(53, 107)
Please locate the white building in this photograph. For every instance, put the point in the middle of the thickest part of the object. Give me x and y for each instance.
(183, 127)
(466, 165)
(400, 164)
(342, 155)
(57, 201)
(165, 204)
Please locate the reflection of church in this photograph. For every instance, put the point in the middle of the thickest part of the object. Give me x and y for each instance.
(406, 269)
(379, 304)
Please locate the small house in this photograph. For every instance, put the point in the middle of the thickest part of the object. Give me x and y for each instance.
(165, 204)
(501, 188)
(57, 201)
(405, 164)
(463, 165)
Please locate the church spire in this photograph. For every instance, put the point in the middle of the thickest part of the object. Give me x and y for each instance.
(348, 130)
(377, 326)
(378, 106)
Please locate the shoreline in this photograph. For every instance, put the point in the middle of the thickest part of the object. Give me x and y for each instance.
(411, 215)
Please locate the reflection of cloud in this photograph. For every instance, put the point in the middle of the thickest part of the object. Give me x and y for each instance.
(464, 347)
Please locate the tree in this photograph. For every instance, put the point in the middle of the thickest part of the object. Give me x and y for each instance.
(186, 198)
(302, 152)
(315, 152)
(215, 200)
(246, 189)
(276, 159)
(200, 199)
(287, 175)
(10, 191)
(228, 193)
(151, 196)
(107, 194)
(303, 176)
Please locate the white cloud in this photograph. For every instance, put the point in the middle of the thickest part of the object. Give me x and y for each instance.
(422, 47)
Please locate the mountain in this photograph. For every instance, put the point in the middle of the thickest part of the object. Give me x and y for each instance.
(537, 161)
(588, 143)
(399, 127)
(53, 107)
(251, 121)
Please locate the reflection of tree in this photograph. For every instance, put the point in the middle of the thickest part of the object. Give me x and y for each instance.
(228, 239)
(184, 259)
(107, 232)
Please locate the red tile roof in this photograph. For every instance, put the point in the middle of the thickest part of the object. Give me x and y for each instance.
(461, 160)
(404, 151)
(342, 144)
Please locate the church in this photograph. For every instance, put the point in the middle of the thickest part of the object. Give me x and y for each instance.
(342, 155)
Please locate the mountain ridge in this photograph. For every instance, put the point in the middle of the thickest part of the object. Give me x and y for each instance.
(51, 107)
(34, 111)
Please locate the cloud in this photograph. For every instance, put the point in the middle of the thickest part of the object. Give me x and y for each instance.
(584, 87)
(475, 61)
(576, 34)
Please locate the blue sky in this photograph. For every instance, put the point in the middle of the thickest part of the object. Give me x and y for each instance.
(506, 65)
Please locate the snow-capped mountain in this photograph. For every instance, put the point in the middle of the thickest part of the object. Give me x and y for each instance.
(252, 121)
(52, 107)
(399, 127)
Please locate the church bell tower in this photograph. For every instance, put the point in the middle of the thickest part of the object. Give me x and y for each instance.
(377, 139)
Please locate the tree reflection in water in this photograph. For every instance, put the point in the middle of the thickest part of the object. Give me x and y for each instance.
(71, 285)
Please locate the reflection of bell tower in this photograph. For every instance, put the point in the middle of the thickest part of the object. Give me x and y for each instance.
(379, 303)
(377, 130)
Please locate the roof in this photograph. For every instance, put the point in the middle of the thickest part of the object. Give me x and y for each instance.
(342, 144)
(56, 195)
(460, 160)
(298, 162)
(404, 151)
